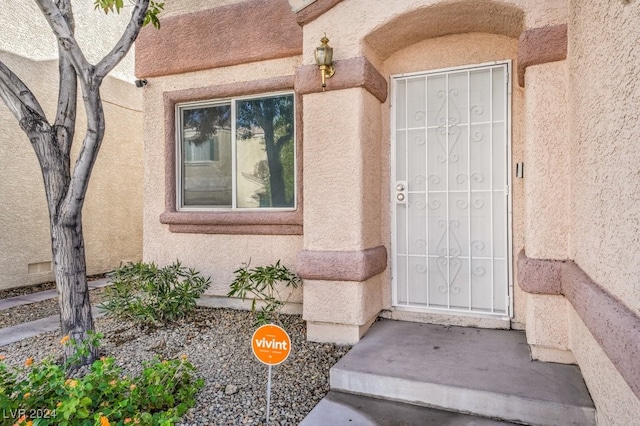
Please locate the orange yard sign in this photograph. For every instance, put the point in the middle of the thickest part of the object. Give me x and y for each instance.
(271, 344)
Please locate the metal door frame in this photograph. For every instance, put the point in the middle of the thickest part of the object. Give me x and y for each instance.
(392, 110)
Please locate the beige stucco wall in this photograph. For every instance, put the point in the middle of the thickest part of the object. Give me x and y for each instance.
(215, 255)
(547, 162)
(548, 328)
(548, 193)
(342, 163)
(583, 191)
(616, 404)
(112, 214)
(342, 195)
(604, 97)
(604, 58)
(26, 33)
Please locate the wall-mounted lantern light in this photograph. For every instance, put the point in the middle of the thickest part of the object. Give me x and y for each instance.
(324, 56)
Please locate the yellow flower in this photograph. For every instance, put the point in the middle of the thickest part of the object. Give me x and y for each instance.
(127, 420)
(184, 357)
(71, 383)
(29, 423)
(104, 421)
(132, 387)
(65, 339)
(28, 362)
(2, 357)
(59, 404)
(112, 383)
(26, 395)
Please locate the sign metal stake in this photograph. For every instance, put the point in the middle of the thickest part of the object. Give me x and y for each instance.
(268, 394)
(271, 345)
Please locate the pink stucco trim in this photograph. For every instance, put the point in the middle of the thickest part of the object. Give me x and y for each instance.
(314, 10)
(235, 229)
(224, 221)
(615, 327)
(341, 265)
(354, 72)
(539, 276)
(540, 46)
(237, 33)
(441, 18)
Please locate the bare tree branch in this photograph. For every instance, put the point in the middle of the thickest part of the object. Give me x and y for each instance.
(126, 41)
(95, 115)
(67, 92)
(22, 103)
(66, 40)
(88, 152)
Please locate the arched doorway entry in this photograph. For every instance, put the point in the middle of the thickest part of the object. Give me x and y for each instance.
(450, 153)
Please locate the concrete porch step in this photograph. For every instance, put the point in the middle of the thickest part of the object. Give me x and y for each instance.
(344, 409)
(481, 372)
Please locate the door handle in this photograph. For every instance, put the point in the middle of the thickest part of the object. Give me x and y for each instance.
(401, 192)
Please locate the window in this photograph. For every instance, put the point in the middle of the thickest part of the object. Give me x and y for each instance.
(237, 154)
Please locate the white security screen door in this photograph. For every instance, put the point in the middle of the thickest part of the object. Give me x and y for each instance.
(450, 194)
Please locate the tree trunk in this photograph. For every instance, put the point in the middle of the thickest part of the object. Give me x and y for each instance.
(76, 320)
(67, 243)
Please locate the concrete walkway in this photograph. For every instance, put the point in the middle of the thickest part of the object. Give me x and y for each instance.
(19, 332)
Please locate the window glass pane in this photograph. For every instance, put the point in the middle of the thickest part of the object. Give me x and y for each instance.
(206, 156)
(265, 152)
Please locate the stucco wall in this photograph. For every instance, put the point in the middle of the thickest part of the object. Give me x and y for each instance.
(112, 214)
(215, 255)
(605, 128)
(616, 404)
(583, 191)
(547, 162)
(346, 155)
(604, 95)
(26, 33)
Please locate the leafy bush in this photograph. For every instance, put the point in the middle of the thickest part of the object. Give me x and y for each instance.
(262, 282)
(150, 295)
(41, 393)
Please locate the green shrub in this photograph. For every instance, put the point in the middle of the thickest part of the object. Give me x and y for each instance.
(261, 282)
(144, 293)
(41, 393)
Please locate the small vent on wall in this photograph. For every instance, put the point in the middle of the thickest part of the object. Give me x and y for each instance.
(35, 268)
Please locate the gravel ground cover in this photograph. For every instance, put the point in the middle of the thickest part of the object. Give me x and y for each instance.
(217, 341)
(21, 291)
(34, 311)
